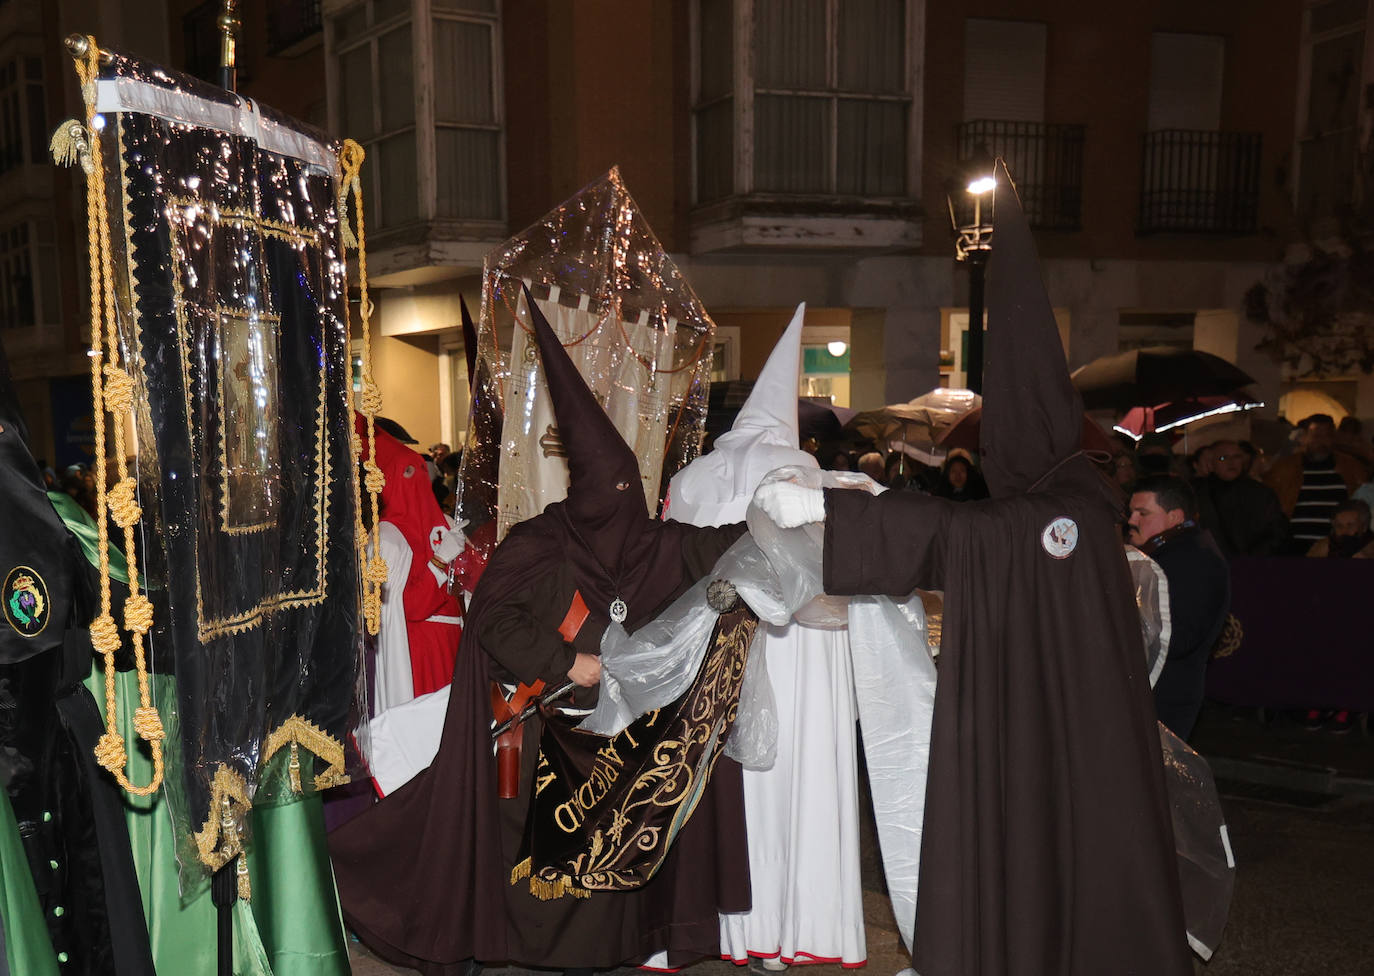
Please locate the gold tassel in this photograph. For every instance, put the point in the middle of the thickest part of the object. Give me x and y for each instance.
(295, 767)
(69, 145)
(520, 871)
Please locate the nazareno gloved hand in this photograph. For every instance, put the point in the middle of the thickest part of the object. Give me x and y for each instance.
(451, 543)
(790, 505)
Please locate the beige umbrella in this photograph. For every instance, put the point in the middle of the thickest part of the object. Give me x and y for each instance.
(918, 424)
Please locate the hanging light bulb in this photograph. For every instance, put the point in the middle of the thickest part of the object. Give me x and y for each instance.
(836, 347)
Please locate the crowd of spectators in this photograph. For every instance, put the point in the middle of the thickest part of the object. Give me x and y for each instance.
(1192, 512)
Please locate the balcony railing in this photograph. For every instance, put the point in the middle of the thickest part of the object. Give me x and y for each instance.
(289, 22)
(1046, 161)
(1200, 182)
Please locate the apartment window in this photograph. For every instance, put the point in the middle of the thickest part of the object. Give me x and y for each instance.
(433, 138)
(467, 122)
(291, 23)
(23, 117)
(1004, 70)
(376, 73)
(1185, 81)
(28, 275)
(1328, 137)
(821, 105)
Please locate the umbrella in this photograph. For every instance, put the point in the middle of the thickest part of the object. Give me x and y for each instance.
(815, 418)
(964, 434)
(1139, 421)
(919, 422)
(822, 420)
(1155, 375)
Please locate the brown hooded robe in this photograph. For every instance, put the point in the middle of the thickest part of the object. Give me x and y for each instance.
(424, 877)
(1047, 846)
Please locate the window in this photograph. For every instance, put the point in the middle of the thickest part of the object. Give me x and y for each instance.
(1185, 81)
(822, 105)
(1329, 133)
(376, 62)
(467, 125)
(23, 116)
(290, 22)
(28, 275)
(452, 114)
(1004, 70)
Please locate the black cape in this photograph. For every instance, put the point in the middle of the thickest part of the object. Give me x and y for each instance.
(1047, 846)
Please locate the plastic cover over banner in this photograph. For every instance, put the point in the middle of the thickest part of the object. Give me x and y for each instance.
(231, 307)
(629, 320)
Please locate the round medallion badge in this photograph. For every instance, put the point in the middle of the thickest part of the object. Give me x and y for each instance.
(1060, 537)
(25, 599)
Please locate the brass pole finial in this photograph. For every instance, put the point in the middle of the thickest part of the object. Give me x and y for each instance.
(229, 24)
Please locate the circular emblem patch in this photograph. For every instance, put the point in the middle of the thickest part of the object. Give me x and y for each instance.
(1060, 537)
(25, 599)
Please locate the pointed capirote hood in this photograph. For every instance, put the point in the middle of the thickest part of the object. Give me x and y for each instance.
(605, 502)
(1032, 415)
(716, 488)
(769, 416)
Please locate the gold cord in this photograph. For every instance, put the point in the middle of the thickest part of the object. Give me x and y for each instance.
(112, 389)
(351, 157)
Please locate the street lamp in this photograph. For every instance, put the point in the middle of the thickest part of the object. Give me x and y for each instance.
(972, 245)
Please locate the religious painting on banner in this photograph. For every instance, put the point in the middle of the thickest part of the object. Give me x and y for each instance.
(228, 268)
(637, 332)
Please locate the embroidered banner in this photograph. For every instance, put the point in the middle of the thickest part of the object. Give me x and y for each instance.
(607, 809)
(232, 304)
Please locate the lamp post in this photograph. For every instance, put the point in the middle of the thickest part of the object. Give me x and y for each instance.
(972, 245)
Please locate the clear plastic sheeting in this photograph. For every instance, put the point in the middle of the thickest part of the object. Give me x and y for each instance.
(1206, 867)
(1152, 600)
(628, 319)
(778, 573)
(657, 663)
(894, 681)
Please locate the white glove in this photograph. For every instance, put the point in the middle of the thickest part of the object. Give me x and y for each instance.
(451, 543)
(790, 505)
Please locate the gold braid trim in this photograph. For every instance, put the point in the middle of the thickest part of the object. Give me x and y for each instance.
(220, 840)
(300, 731)
(373, 569)
(112, 390)
(547, 889)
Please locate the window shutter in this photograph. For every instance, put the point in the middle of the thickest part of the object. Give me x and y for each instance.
(1185, 81)
(1004, 70)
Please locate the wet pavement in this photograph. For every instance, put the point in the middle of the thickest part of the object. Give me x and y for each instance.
(1300, 811)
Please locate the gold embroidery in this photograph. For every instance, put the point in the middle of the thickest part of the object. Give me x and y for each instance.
(180, 212)
(671, 782)
(297, 730)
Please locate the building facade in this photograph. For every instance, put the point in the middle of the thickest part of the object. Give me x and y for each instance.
(784, 150)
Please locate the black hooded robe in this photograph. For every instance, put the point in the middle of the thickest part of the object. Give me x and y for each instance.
(1047, 848)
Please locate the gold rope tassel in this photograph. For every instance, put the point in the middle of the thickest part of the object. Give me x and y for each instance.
(351, 157)
(112, 389)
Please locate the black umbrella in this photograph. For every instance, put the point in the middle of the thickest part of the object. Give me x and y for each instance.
(1153, 375)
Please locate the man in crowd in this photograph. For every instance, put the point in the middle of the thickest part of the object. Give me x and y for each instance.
(1242, 514)
(1350, 536)
(1311, 483)
(1164, 527)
